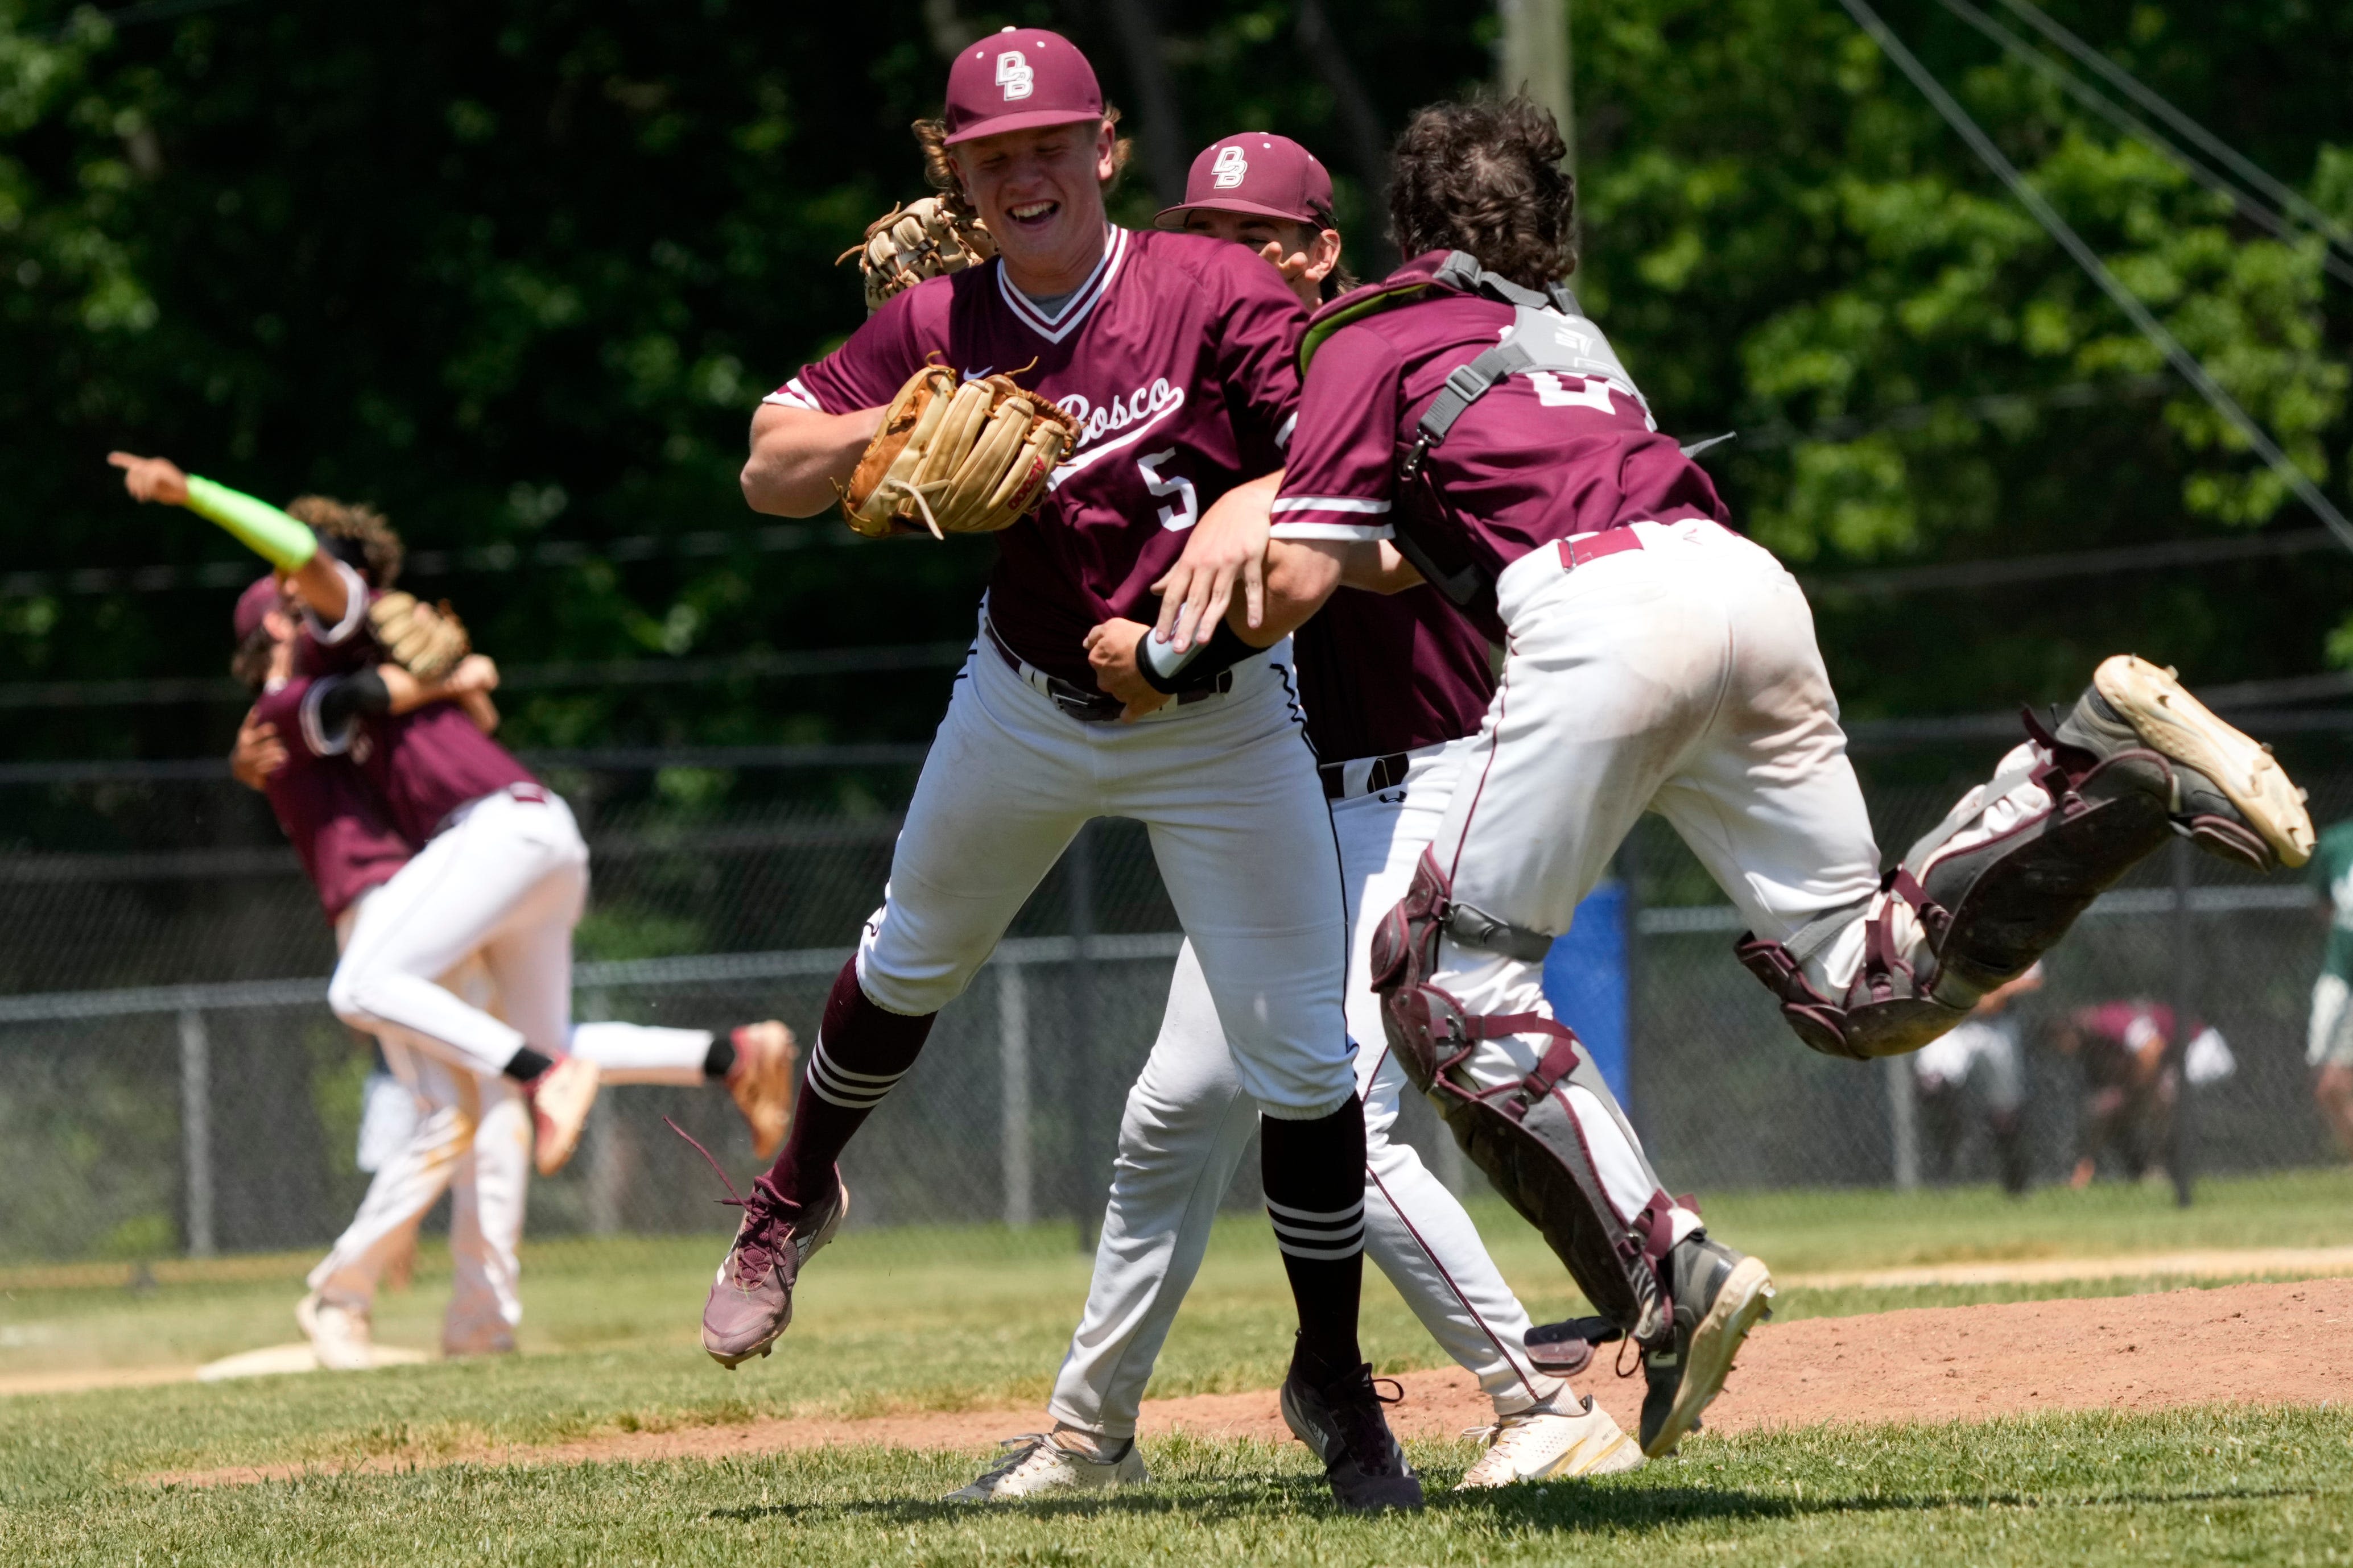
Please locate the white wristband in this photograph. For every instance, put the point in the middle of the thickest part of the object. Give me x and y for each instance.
(1163, 657)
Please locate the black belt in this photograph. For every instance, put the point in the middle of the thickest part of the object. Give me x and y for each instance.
(1388, 773)
(1084, 703)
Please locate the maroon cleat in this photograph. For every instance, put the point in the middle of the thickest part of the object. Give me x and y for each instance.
(750, 1301)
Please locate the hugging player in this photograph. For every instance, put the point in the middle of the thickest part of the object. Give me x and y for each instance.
(1656, 661)
(1170, 356)
(1391, 686)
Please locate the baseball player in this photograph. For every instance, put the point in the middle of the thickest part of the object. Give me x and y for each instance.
(1985, 1049)
(1166, 359)
(2328, 1042)
(471, 1133)
(1464, 423)
(1386, 683)
(501, 868)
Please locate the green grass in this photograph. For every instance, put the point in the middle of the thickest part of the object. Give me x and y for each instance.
(946, 1319)
(2223, 1486)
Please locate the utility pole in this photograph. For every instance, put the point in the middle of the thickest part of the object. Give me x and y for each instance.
(1534, 57)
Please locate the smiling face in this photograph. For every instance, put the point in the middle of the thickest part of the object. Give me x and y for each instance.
(1041, 193)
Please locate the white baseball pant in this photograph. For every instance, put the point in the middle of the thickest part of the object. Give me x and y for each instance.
(1227, 788)
(1187, 1126)
(507, 878)
(1681, 678)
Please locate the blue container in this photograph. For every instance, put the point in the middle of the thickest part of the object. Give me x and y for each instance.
(1584, 978)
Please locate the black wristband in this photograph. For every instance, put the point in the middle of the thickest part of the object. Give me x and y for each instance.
(1209, 661)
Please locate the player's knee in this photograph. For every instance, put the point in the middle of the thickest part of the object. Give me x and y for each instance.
(345, 992)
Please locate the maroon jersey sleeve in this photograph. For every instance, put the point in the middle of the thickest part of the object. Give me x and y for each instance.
(339, 829)
(1341, 471)
(323, 649)
(868, 371)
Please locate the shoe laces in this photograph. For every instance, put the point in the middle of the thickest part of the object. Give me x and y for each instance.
(1015, 1454)
(1511, 1433)
(768, 1219)
(1356, 1404)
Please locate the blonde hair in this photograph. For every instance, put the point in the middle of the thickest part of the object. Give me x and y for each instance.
(931, 136)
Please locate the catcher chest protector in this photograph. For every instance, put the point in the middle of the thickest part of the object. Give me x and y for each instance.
(1523, 1135)
(1549, 331)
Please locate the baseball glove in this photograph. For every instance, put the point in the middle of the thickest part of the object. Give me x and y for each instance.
(925, 239)
(953, 458)
(422, 640)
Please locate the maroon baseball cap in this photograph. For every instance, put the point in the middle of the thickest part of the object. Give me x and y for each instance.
(1019, 80)
(1260, 174)
(260, 598)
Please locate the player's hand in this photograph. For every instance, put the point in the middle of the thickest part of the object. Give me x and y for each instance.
(151, 479)
(1293, 266)
(475, 672)
(259, 753)
(1228, 544)
(1111, 649)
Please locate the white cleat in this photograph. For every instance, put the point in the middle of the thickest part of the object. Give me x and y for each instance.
(1546, 1443)
(1037, 1463)
(339, 1335)
(2171, 720)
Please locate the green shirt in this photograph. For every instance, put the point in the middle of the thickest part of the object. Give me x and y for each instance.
(2332, 877)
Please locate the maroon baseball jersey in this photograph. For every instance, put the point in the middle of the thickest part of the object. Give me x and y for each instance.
(1542, 456)
(1175, 359)
(1389, 672)
(320, 649)
(428, 763)
(342, 833)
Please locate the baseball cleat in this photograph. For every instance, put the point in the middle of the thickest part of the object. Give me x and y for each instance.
(1342, 1422)
(1718, 1296)
(761, 1083)
(340, 1336)
(1038, 1462)
(2230, 793)
(560, 1098)
(1549, 1444)
(750, 1301)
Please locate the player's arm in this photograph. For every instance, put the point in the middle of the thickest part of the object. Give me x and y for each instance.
(284, 542)
(259, 753)
(800, 457)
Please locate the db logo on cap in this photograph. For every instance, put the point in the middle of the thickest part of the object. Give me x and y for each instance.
(1230, 168)
(1015, 75)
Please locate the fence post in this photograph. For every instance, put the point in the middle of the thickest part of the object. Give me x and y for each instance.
(1903, 1121)
(608, 1160)
(1013, 1068)
(1086, 1063)
(2182, 1157)
(197, 1128)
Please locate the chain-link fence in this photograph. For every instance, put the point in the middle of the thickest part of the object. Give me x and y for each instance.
(170, 1080)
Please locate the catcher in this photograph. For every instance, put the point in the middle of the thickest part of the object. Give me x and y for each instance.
(1464, 423)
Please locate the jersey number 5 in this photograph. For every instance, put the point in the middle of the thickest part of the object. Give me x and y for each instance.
(1188, 509)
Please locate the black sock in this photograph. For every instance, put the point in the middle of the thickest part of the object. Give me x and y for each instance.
(526, 1065)
(721, 1059)
(1313, 1173)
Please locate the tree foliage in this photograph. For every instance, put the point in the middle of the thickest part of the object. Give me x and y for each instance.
(518, 272)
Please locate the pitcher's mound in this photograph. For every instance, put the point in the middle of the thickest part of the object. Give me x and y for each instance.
(296, 1357)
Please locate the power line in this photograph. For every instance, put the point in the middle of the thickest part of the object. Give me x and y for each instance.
(2059, 229)
(2123, 82)
(2131, 124)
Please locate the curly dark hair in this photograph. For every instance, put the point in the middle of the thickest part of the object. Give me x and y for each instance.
(356, 535)
(931, 137)
(1485, 177)
(250, 663)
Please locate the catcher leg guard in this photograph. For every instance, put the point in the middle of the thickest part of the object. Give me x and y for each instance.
(2004, 876)
(1524, 1130)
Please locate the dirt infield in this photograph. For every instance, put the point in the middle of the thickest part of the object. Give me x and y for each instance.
(2270, 1344)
